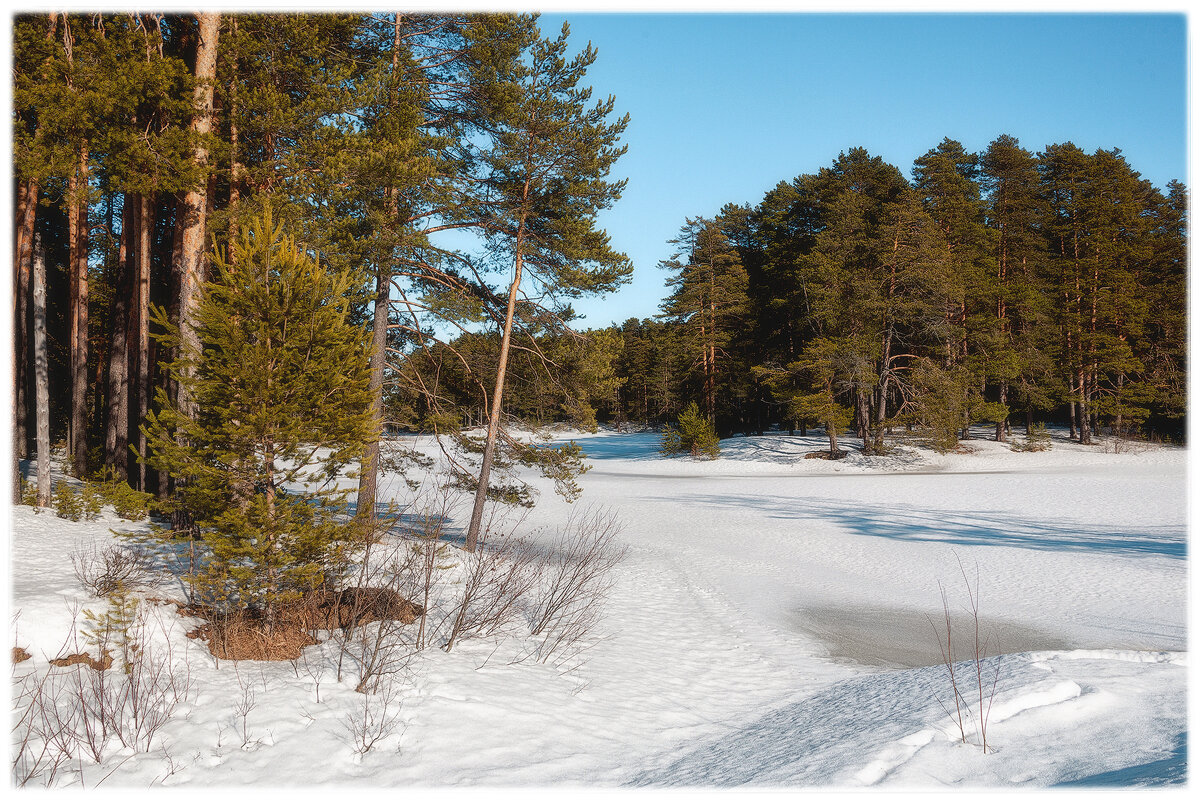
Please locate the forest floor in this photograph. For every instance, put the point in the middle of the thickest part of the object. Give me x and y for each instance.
(774, 623)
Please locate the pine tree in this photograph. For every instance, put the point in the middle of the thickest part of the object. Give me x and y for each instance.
(281, 391)
(546, 180)
(708, 298)
(1016, 212)
(946, 178)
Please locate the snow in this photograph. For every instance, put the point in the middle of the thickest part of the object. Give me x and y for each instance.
(773, 625)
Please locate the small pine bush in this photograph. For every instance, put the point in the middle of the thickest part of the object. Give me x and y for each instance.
(127, 502)
(29, 495)
(1037, 441)
(692, 434)
(92, 500)
(68, 503)
(114, 628)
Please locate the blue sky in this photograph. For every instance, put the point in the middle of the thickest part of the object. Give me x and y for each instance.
(724, 106)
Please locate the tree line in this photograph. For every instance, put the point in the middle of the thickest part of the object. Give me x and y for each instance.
(998, 287)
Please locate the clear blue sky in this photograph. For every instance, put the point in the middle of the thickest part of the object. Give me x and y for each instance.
(724, 106)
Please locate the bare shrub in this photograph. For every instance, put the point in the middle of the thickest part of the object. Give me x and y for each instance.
(156, 683)
(1117, 445)
(972, 690)
(375, 718)
(379, 651)
(576, 577)
(243, 704)
(314, 667)
(45, 740)
(104, 571)
(369, 620)
(497, 581)
(421, 569)
(68, 714)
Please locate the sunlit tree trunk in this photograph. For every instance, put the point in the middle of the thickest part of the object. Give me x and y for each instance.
(41, 370)
(194, 208)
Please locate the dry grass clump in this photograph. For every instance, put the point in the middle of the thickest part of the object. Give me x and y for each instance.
(99, 664)
(245, 635)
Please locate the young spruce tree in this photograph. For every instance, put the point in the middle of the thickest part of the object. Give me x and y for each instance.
(282, 406)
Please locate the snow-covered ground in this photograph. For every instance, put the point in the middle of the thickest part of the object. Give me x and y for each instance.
(769, 626)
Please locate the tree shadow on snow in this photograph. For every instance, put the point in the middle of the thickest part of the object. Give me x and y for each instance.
(909, 523)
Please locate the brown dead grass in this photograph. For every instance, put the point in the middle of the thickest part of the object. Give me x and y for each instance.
(99, 665)
(828, 456)
(246, 636)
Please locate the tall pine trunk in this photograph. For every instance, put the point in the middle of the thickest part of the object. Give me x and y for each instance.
(116, 431)
(195, 201)
(145, 227)
(27, 216)
(1002, 426)
(41, 379)
(78, 256)
(368, 481)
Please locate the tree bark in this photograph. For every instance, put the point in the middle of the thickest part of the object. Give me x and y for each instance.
(831, 432)
(493, 431)
(41, 370)
(78, 256)
(195, 202)
(1000, 426)
(144, 228)
(27, 216)
(368, 481)
(116, 432)
(1085, 428)
(235, 165)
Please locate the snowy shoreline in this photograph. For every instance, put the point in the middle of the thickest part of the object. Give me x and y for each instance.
(762, 631)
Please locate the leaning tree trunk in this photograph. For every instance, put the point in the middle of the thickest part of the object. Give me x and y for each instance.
(493, 431)
(41, 377)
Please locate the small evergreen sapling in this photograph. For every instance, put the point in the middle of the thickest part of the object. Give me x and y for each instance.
(693, 434)
(67, 502)
(281, 388)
